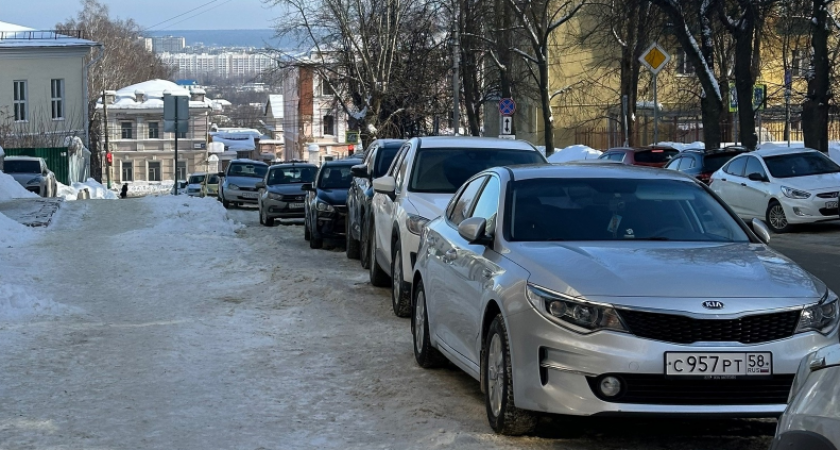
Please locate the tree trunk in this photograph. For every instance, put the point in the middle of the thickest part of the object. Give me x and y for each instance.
(815, 106)
(545, 99)
(744, 83)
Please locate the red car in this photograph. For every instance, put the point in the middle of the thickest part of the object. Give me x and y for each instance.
(653, 156)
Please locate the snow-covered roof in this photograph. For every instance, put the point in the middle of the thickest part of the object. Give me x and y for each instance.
(274, 107)
(236, 138)
(18, 36)
(152, 91)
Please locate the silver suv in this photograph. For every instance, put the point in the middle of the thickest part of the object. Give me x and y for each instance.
(33, 174)
(239, 185)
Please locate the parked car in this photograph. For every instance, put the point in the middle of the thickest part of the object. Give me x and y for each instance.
(812, 418)
(32, 173)
(182, 187)
(701, 164)
(653, 156)
(416, 189)
(195, 183)
(326, 202)
(239, 182)
(377, 159)
(784, 186)
(280, 195)
(545, 284)
(210, 188)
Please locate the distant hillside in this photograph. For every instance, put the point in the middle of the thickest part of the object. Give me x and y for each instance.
(228, 38)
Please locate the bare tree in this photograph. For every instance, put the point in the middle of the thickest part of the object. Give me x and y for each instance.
(816, 105)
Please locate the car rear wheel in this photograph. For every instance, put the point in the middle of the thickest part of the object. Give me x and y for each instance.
(426, 356)
(352, 244)
(378, 277)
(776, 219)
(504, 417)
(400, 300)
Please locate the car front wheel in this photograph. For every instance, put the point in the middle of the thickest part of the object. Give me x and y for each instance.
(776, 218)
(400, 301)
(352, 244)
(378, 277)
(504, 417)
(315, 240)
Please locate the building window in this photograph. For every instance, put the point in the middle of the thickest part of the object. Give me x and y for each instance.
(57, 98)
(182, 170)
(799, 63)
(154, 171)
(684, 66)
(329, 125)
(20, 101)
(182, 134)
(127, 171)
(154, 131)
(325, 89)
(127, 132)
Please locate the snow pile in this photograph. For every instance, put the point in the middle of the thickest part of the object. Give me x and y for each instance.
(183, 215)
(66, 192)
(681, 146)
(19, 302)
(9, 189)
(573, 153)
(146, 188)
(96, 190)
(13, 233)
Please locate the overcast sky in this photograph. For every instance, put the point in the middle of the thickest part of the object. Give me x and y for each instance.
(214, 15)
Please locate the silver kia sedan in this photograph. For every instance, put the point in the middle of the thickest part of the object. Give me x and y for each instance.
(603, 289)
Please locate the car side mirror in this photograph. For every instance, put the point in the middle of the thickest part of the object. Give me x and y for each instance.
(360, 171)
(755, 176)
(306, 187)
(472, 230)
(260, 185)
(761, 230)
(385, 185)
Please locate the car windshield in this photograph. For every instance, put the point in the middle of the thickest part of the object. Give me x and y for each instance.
(291, 175)
(444, 170)
(22, 167)
(557, 209)
(800, 165)
(247, 170)
(197, 179)
(655, 156)
(214, 179)
(384, 158)
(335, 177)
(713, 162)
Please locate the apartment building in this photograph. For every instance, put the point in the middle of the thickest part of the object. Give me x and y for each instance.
(225, 64)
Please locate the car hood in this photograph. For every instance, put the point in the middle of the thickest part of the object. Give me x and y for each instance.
(632, 273)
(243, 181)
(826, 181)
(287, 189)
(194, 186)
(429, 206)
(24, 178)
(333, 196)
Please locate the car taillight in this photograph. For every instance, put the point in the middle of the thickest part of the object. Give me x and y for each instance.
(705, 177)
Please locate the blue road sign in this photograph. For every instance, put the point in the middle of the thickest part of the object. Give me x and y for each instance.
(507, 106)
(788, 77)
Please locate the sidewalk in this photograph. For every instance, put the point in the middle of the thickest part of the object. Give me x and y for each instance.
(32, 212)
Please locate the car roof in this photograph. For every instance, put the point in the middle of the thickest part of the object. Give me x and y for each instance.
(248, 161)
(775, 151)
(292, 164)
(391, 142)
(342, 162)
(590, 170)
(640, 149)
(23, 158)
(474, 142)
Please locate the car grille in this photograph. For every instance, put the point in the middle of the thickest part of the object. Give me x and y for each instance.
(293, 198)
(827, 195)
(829, 212)
(685, 330)
(662, 390)
(342, 209)
(246, 188)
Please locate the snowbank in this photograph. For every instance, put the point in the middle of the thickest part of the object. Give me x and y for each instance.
(574, 153)
(9, 189)
(19, 302)
(180, 215)
(681, 146)
(13, 233)
(146, 188)
(96, 190)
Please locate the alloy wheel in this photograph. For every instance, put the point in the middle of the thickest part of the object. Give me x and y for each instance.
(420, 321)
(495, 374)
(777, 217)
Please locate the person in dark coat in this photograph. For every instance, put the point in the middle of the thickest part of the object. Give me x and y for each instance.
(124, 191)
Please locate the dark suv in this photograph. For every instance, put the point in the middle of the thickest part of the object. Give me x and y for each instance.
(377, 159)
(653, 156)
(703, 163)
(326, 202)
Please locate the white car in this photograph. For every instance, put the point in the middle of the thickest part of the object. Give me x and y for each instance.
(421, 181)
(782, 186)
(33, 174)
(812, 418)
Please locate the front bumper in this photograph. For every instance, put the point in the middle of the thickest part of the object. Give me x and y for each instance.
(554, 369)
(813, 209)
(331, 225)
(410, 246)
(278, 209)
(240, 195)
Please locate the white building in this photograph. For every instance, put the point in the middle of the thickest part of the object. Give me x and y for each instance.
(42, 86)
(161, 44)
(141, 150)
(226, 64)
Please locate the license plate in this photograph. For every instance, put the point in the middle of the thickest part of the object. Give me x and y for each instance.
(831, 205)
(718, 364)
(248, 195)
(296, 205)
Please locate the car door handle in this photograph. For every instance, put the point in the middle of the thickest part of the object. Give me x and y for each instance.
(450, 256)
(723, 179)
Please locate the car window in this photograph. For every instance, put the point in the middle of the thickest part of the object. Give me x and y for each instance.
(657, 155)
(487, 205)
(335, 177)
(291, 175)
(461, 208)
(196, 179)
(799, 164)
(713, 162)
(754, 166)
(444, 170)
(247, 170)
(605, 156)
(736, 167)
(399, 175)
(616, 156)
(687, 163)
(369, 154)
(382, 161)
(400, 156)
(214, 179)
(674, 164)
(22, 166)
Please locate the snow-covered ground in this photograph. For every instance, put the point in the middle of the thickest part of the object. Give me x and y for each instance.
(162, 324)
(9, 189)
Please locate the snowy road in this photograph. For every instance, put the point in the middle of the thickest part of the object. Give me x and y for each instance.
(156, 331)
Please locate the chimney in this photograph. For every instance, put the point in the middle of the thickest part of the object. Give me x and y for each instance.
(140, 96)
(197, 94)
(110, 97)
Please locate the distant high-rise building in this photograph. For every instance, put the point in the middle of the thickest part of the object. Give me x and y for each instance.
(162, 44)
(226, 64)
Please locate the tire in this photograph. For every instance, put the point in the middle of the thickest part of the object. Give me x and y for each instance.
(306, 235)
(262, 220)
(426, 356)
(315, 241)
(352, 244)
(504, 417)
(364, 251)
(378, 277)
(400, 297)
(776, 219)
(225, 203)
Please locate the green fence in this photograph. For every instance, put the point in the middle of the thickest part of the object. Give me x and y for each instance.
(56, 159)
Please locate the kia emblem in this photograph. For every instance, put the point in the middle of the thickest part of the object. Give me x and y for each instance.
(713, 304)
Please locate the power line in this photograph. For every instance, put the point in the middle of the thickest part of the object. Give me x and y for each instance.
(180, 15)
(198, 14)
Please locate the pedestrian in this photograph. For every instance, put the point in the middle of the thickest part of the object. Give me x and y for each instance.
(124, 191)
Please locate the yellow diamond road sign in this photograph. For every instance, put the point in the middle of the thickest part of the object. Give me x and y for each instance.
(655, 58)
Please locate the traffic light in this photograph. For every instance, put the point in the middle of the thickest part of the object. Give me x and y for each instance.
(109, 157)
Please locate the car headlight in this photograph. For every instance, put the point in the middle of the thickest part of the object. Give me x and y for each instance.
(821, 317)
(275, 196)
(416, 224)
(795, 193)
(34, 181)
(572, 313)
(323, 206)
(233, 186)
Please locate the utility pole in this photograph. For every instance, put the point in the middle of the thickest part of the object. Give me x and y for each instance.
(456, 65)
